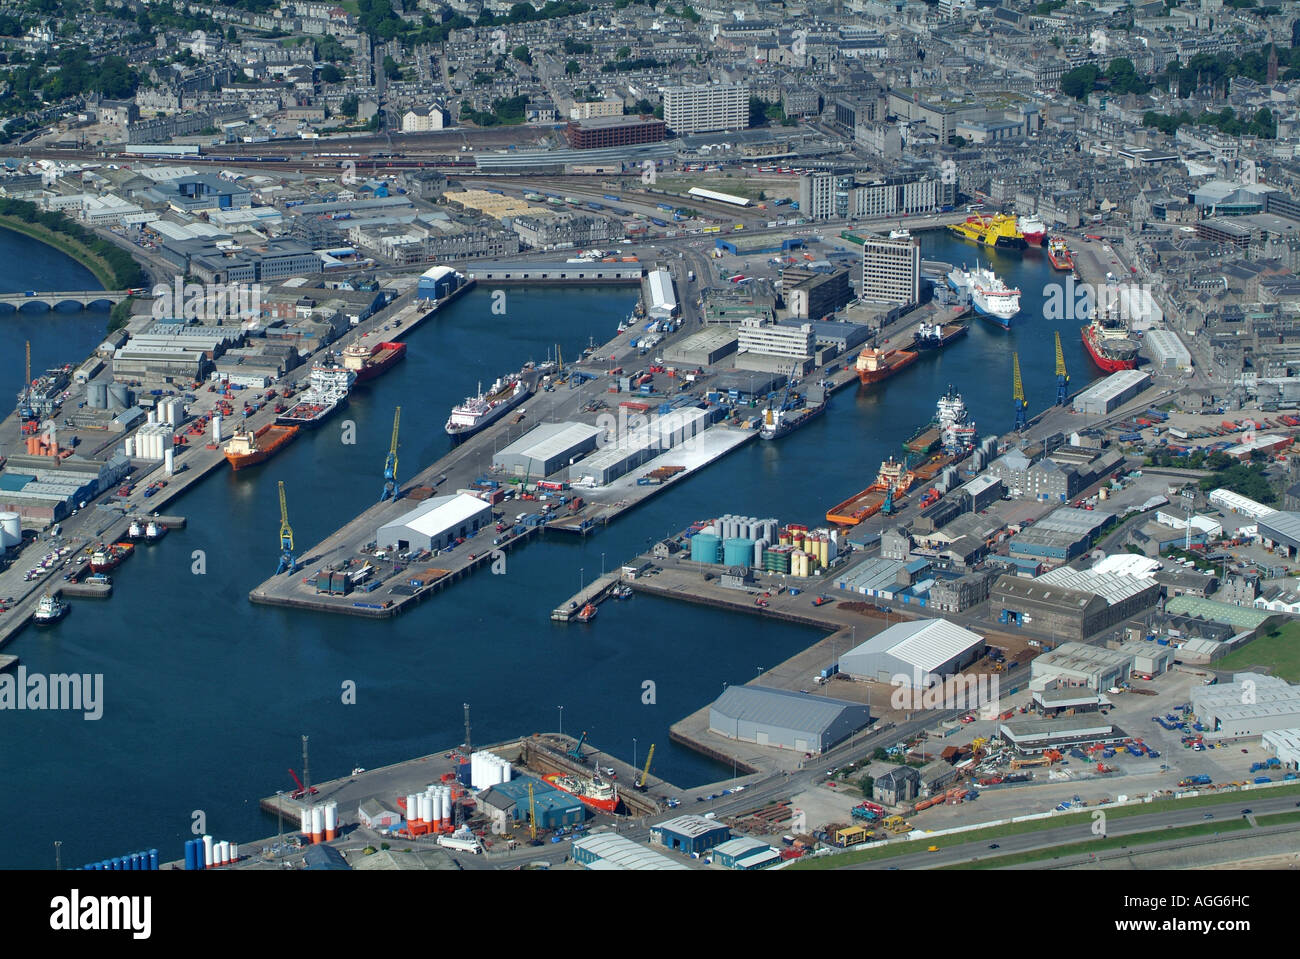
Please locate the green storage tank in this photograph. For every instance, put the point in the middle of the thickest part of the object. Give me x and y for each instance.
(706, 548)
(738, 551)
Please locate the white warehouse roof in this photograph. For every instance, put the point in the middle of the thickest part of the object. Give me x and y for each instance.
(661, 290)
(441, 513)
(925, 644)
(619, 852)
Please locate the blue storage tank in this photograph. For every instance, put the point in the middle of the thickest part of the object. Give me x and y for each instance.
(190, 862)
(706, 548)
(153, 859)
(738, 551)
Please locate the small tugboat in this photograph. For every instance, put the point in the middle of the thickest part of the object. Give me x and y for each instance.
(587, 614)
(49, 610)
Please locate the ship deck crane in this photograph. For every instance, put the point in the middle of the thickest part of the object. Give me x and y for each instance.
(390, 464)
(576, 751)
(287, 561)
(1018, 393)
(1062, 377)
(645, 773)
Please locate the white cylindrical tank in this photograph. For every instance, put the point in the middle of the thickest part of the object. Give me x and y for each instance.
(412, 808)
(152, 417)
(234, 852)
(216, 427)
(317, 823)
(207, 851)
(331, 820)
(505, 771)
(427, 801)
(169, 461)
(473, 769)
(129, 447)
(11, 530)
(223, 853)
(436, 798)
(306, 821)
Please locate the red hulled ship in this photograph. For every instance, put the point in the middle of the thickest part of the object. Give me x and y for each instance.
(596, 793)
(1109, 344)
(1058, 254)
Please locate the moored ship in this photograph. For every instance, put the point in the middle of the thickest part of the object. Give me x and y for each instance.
(367, 362)
(326, 395)
(875, 364)
(247, 448)
(1108, 343)
(149, 532)
(892, 482)
(992, 298)
(1033, 229)
(479, 412)
(998, 231)
(956, 428)
(777, 423)
(1058, 254)
(935, 336)
(50, 609)
(106, 558)
(596, 793)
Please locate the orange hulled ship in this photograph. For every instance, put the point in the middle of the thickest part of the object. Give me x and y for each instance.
(875, 365)
(368, 362)
(596, 793)
(892, 482)
(1059, 255)
(249, 449)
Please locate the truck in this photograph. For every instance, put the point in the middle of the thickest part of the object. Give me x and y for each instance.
(690, 276)
(462, 842)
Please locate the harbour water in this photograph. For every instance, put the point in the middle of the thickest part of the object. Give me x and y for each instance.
(206, 696)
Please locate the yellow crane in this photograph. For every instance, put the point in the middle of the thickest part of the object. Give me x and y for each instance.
(1062, 377)
(390, 464)
(1018, 392)
(532, 813)
(287, 561)
(645, 773)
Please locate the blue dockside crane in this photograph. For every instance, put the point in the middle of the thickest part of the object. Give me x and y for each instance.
(390, 464)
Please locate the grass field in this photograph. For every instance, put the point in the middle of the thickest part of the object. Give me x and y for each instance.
(1082, 819)
(1276, 652)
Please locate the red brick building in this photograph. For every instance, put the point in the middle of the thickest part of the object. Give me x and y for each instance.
(615, 132)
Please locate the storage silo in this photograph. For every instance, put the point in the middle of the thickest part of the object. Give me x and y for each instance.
(317, 824)
(331, 820)
(306, 821)
(426, 808)
(151, 416)
(234, 852)
(169, 460)
(706, 548)
(761, 545)
(11, 530)
(437, 807)
(97, 396)
(207, 852)
(223, 853)
(119, 397)
(216, 427)
(737, 551)
(412, 808)
(506, 772)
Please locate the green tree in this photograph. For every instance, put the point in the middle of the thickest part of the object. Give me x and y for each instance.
(623, 53)
(1079, 82)
(868, 785)
(330, 74)
(572, 68)
(232, 35)
(391, 68)
(521, 54)
(349, 106)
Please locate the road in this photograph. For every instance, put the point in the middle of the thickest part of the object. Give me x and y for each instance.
(953, 851)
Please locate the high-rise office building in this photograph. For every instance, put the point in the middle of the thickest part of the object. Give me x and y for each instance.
(706, 108)
(891, 269)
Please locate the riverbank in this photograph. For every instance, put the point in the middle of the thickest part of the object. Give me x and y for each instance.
(66, 245)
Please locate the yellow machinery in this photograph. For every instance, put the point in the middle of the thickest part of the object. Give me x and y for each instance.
(896, 824)
(645, 773)
(1030, 763)
(532, 813)
(1062, 377)
(1018, 393)
(287, 562)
